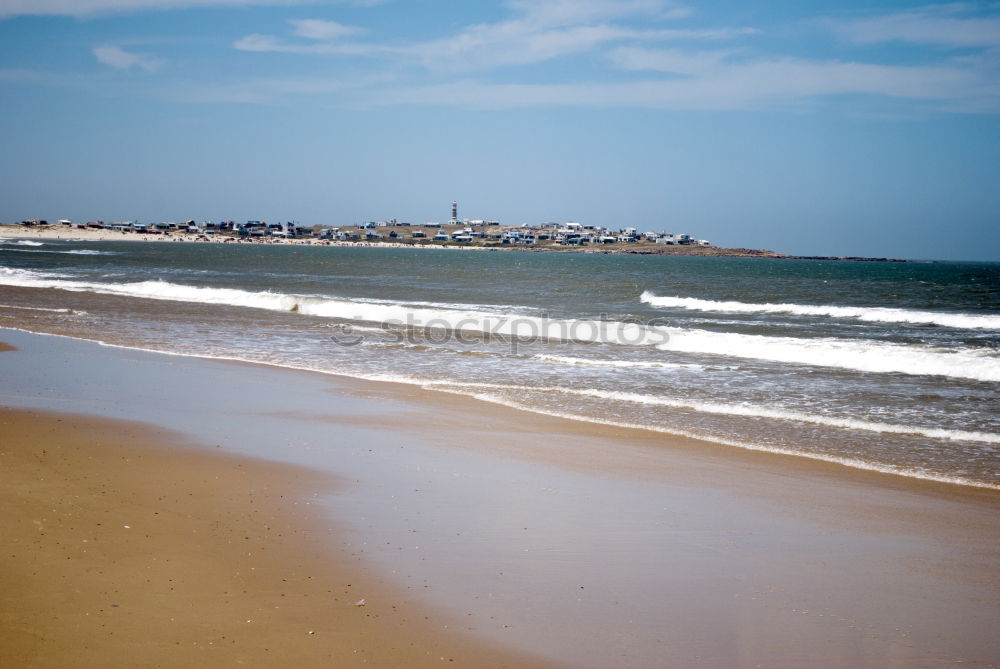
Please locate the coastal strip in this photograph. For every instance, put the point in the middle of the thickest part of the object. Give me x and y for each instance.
(42, 233)
(124, 545)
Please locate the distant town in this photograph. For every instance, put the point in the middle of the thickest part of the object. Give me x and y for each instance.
(454, 231)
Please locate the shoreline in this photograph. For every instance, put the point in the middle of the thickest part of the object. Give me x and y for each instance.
(126, 544)
(453, 402)
(811, 563)
(844, 466)
(58, 232)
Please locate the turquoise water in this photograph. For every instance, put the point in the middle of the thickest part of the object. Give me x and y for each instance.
(877, 365)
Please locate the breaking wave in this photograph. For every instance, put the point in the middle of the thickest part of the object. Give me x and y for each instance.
(55, 311)
(868, 314)
(22, 242)
(88, 252)
(624, 364)
(857, 355)
(76, 252)
(401, 314)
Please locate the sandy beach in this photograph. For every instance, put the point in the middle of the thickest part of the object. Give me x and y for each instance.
(464, 526)
(606, 334)
(127, 546)
(67, 233)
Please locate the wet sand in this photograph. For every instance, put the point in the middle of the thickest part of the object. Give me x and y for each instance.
(126, 546)
(590, 545)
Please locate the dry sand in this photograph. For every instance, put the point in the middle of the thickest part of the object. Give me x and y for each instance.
(124, 546)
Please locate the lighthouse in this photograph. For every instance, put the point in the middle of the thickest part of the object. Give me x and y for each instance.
(454, 212)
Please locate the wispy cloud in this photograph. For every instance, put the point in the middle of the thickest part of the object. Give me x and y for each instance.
(753, 85)
(515, 43)
(9, 8)
(520, 43)
(547, 29)
(323, 30)
(638, 53)
(325, 37)
(540, 30)
(949, 25)
(17, 75)
(554, 13)
(120, 59)
(273, 91)
(268, 43)
(674, 61)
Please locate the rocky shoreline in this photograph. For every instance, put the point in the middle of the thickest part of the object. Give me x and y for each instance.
(713, 251)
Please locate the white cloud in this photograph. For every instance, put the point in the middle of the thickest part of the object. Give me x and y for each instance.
(514, 43)
(574, 12)
(690, 68)
(10, 8)
(18, 75)
(325, 37)
(267, 43)
(548, 29)
(675, 61)
(319, 29)
(541, 30)
(943, 25)
(272, 91)
(754, 85)
(257, 42)
(120, 59)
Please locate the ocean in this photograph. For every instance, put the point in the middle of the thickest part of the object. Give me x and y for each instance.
(885, 366)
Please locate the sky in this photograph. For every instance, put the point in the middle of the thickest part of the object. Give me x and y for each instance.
(832, 127)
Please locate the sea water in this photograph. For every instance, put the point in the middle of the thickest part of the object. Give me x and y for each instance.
(888, 366)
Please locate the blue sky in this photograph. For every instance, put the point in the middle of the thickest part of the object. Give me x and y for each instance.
(816, 128)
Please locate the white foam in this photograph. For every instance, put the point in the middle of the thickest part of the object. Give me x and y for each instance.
(26, 277)
(855, 463)
(451, 306)
(81, 252)
(747, 410)
(28, 242)
(88, 252)
(398, 314)
(858, 355)
(623, 364)
(57, 311)
(868, 314)
(442, 386)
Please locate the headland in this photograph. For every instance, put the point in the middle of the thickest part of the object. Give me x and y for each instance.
(360, 237)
